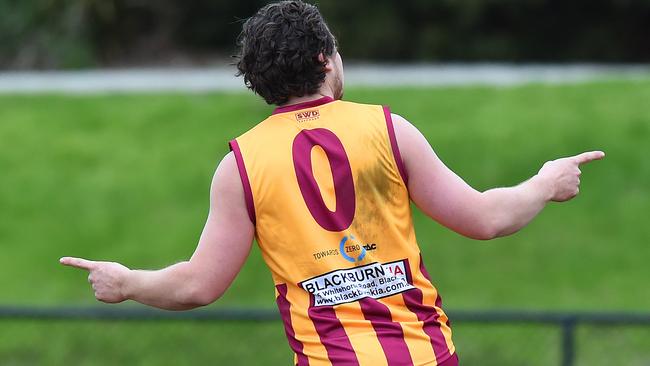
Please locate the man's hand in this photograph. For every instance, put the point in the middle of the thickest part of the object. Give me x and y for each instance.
(106, 278)
(562, 176)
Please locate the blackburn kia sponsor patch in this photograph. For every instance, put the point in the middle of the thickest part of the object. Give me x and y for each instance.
(375, 280)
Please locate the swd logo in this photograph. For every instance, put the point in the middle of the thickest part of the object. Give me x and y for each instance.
(307, 116)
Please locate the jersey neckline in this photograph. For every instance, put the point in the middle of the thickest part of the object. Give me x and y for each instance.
(309, 104)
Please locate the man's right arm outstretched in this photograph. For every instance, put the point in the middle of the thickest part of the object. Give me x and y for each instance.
(445, 197)
(222, 249)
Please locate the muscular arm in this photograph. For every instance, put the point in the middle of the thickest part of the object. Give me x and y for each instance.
(446, 198)
(222, 249)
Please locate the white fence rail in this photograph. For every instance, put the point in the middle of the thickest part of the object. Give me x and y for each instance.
(222, 78)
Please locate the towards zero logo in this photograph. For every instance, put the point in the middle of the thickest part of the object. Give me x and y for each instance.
(354, 252)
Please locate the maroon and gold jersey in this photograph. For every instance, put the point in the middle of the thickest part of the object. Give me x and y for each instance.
(326, 189)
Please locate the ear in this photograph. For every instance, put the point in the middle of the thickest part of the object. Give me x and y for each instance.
(325, 60)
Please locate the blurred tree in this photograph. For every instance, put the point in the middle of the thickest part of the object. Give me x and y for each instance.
(44, 34)
(78, 33)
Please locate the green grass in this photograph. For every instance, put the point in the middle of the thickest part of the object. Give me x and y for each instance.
(142, 343)
(126, 178)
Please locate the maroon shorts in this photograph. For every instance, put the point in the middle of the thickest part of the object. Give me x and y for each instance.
(452, 361)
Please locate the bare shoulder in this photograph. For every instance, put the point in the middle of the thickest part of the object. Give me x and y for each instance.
(226, 171)
(399, 121)
(409, 139)
(226, 183)
(405, 131)
(228, 165)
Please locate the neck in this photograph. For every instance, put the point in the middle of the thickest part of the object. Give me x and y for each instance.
(307, 98)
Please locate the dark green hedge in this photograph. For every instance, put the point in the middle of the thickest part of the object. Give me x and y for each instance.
(77, 33)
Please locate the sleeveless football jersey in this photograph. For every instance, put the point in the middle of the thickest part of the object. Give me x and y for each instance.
(326, 188)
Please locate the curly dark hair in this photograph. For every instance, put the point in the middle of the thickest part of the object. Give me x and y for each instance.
(279, 48)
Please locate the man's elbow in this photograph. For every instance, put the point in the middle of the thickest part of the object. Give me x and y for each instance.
(484, 234)
(199, 294)
(487, 229)
(479, 229)
(203, 297)
(494, 228)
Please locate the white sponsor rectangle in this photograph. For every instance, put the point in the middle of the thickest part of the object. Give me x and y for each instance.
(375, 280)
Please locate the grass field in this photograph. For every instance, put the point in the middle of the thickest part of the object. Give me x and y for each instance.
(126, 178)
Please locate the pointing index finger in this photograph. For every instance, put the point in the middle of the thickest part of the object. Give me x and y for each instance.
(589, 156)
(77, 263)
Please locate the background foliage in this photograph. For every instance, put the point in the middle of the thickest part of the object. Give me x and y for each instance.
(81, 33)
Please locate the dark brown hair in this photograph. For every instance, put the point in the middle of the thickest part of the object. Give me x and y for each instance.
(279, 48)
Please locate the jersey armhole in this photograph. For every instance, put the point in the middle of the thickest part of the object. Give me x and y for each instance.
(248, 193)
(393, 144)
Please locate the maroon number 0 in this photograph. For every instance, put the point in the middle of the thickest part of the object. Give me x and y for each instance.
(304, 142)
